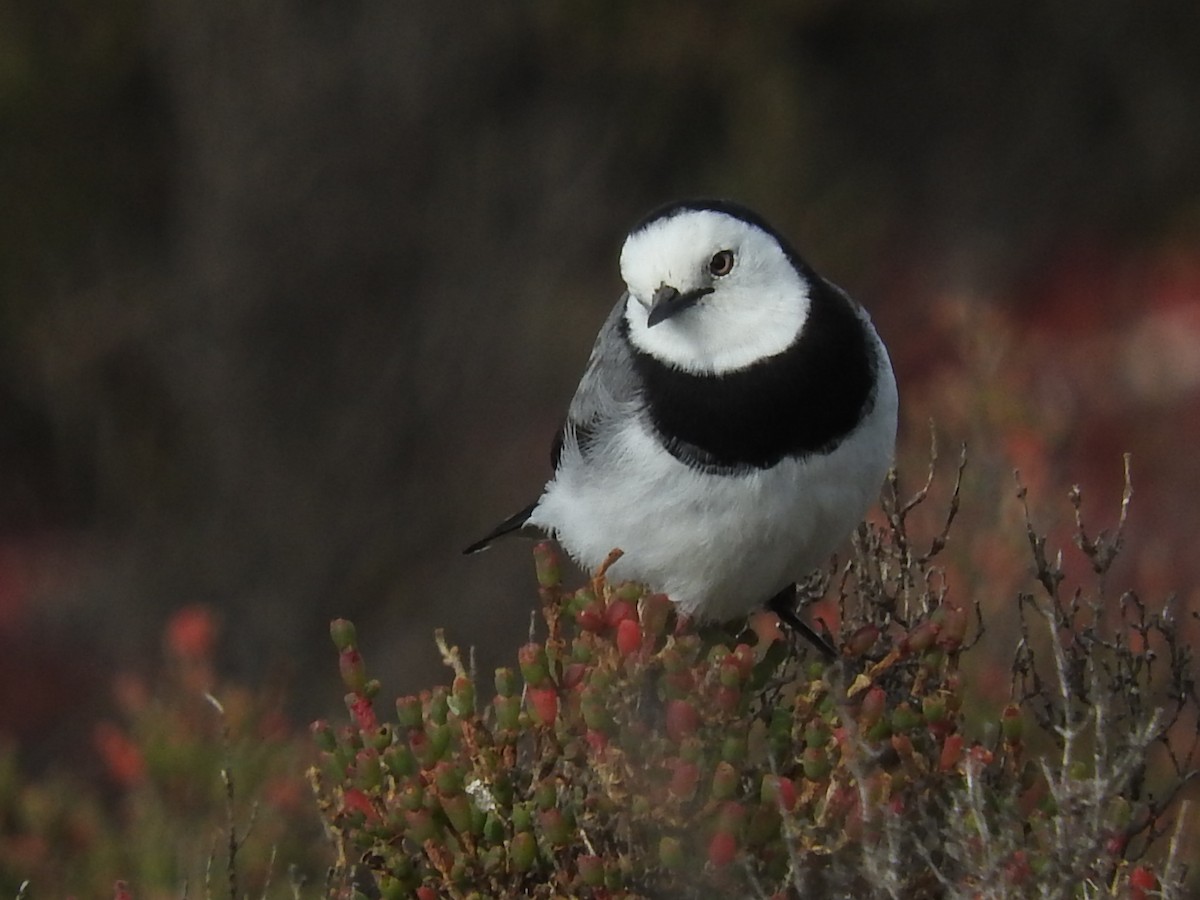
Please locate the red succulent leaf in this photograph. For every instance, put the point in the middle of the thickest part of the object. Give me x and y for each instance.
(684, 778)
(544, 703)
(951, 753)
(620, 611)
(363, 712)
(354, 800)
(722, 849)
(682, 719)
(629, 636)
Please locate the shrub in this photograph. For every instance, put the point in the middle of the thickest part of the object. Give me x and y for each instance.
(632, 754)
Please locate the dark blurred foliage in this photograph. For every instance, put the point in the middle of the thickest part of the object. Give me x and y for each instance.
(294, 292)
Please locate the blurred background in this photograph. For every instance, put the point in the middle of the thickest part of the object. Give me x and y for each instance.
(294, 293)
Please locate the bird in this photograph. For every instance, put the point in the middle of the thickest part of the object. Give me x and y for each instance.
(734, 423)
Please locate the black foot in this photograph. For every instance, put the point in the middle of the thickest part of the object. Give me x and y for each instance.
(783, 605)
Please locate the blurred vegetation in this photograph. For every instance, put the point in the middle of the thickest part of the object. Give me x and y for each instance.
(292, 295)
(198, 788)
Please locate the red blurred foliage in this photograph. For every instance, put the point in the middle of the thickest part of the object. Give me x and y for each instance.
(189, 637)
(287, 794)
(1093, 352)
(275, 726)
(1117, 336)
(191, 633)
(131, 693)
(121, 755)
(1141, 882)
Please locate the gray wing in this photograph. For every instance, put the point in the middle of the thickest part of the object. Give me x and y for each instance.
(608, 388)
(609, 383)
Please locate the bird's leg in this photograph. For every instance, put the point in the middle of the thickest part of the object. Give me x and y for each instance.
(783, 605)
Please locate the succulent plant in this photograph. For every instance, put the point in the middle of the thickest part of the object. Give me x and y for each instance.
(632, 754)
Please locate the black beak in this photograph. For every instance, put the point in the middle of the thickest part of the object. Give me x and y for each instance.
(667, 301)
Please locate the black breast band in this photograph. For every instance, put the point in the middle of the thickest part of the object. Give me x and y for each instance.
(801, 401)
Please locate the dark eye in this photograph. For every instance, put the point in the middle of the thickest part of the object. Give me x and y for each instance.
(721, 263)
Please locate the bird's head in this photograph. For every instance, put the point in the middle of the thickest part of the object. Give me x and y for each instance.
(712, 288)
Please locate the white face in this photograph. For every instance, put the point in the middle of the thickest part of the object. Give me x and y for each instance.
(755, 310)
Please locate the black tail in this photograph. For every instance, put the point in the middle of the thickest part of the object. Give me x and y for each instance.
(783, 605)
(509, 525)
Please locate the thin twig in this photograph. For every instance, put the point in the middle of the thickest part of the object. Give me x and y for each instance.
(450, 655)
(938, 544)
(227, 779)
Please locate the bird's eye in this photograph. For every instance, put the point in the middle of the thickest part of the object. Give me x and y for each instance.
(721, 263)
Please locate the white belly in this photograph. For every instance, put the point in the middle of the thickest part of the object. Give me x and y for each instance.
(720, 546)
